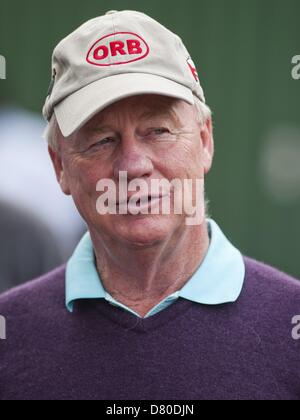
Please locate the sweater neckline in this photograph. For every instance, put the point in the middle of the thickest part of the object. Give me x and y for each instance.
(131, 322)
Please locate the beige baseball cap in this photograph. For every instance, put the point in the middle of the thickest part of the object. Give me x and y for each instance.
(112, 57)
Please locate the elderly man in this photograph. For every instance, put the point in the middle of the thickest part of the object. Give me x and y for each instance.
(154, 304)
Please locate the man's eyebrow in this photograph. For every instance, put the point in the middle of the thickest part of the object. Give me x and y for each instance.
(89, 132)
(100, 128)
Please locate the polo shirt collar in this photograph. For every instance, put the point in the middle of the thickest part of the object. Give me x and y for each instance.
(218, 280)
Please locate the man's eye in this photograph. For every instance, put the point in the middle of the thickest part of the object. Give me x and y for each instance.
(103, 142)
(159, 131)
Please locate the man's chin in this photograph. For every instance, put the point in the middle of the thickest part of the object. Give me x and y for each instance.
(143, 230)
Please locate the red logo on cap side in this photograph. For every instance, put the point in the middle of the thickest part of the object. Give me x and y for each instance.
(193, 69)
(109, 50)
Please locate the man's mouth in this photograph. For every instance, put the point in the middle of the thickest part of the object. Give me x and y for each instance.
(142, 199)
(141, 203)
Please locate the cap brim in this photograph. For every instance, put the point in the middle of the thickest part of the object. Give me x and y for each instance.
(77, 109)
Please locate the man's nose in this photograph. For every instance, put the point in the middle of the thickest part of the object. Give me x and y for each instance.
(134, 162)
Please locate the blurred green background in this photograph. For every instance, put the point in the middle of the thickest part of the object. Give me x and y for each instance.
(243, 50)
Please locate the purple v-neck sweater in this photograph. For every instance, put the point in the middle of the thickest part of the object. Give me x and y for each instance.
(189, 351)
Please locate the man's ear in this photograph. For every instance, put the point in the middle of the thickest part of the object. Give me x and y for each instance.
(59, 170)
(208, 147)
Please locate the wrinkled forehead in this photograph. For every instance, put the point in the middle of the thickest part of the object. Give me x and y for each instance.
(141, 108)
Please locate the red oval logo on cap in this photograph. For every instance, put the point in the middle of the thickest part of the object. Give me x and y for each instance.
(117, 49)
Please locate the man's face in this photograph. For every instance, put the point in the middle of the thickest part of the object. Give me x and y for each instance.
(150, 137)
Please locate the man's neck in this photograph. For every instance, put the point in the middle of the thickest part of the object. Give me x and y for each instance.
(140, 278)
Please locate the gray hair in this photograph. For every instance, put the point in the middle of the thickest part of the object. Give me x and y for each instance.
(203, 111)
(52, 130)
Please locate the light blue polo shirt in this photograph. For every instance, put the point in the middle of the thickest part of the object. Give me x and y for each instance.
(218, 280)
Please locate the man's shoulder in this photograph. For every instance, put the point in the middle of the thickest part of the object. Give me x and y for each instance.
(259, 271)
(268, 284)
(36, 293)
